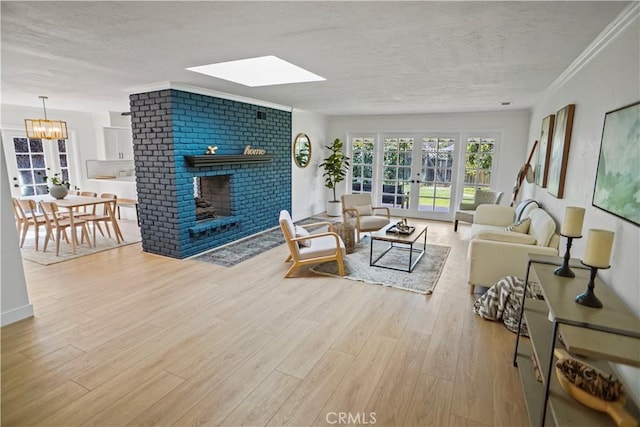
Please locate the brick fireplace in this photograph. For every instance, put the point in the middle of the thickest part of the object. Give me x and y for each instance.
(212, 196)
(247, 196)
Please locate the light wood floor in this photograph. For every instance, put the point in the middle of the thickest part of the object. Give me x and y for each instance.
(127, 338)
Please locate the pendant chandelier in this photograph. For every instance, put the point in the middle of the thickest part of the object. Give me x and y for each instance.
(44, 128)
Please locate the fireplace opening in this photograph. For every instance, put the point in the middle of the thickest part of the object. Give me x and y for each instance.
(212, 196)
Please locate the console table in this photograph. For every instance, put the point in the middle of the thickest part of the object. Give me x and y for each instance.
(611, 333)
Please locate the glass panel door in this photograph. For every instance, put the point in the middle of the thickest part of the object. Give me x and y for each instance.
(436, 175)
(31, 166)
(412, 174)
(396, 172)
(33, 159)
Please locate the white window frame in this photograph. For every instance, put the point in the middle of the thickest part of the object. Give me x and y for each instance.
(52, 158)
(464, 137)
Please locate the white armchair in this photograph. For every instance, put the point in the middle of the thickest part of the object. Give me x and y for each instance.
(357, 210)
(466, 210)
(305, 248)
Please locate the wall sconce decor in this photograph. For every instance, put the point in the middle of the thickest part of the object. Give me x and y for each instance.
(598, 254)
(571, 229)
(44, 128)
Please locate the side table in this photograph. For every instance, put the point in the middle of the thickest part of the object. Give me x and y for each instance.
(347, 233)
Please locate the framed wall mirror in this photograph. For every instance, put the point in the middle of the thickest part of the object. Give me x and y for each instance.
(302, 150)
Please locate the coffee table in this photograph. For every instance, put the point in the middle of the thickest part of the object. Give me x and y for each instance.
(400, 242)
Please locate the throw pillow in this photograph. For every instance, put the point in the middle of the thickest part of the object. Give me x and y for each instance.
(364, 210)
(521, 226)
(542, 226)
(301, 232)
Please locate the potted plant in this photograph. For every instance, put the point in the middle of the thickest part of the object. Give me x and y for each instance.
(59, 187)
(335, 170)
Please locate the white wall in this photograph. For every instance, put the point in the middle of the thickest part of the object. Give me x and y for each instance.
(601, 82)
(307, 185)
(13, 289)
(513, 127)
(82, 128)
(604, 80)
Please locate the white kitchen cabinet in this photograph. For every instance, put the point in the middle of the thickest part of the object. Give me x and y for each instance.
(118, 143)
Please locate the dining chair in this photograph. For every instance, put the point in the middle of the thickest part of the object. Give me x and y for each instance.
(104, 213)
(28, 211)
(54, 221)
(18, 215)
(85, 210)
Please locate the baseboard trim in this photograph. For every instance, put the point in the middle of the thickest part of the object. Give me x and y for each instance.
(12, 316)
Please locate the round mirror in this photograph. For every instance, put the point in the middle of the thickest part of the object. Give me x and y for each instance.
(302, 150)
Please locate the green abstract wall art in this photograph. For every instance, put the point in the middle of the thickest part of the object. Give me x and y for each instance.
(617, 187)
(560, 145)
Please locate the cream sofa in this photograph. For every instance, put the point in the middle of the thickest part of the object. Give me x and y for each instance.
(495, 253)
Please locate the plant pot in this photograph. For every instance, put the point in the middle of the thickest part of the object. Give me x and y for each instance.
(334, 208)
(58, 191)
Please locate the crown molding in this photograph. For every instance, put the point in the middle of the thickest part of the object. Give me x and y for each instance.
(152, 87)
(617, 26)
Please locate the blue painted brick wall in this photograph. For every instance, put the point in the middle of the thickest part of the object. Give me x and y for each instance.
(169, 124)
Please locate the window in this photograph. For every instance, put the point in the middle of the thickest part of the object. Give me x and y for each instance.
(422, 173)
(410, 173)
(63, 156)
(30, 160)
(37, 158)
(479, 156)
(398, 158)
(362, 164)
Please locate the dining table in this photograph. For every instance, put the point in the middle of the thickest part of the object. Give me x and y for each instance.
(71, 203)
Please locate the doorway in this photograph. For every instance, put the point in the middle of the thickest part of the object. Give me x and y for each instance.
(30, 160)
(413, 174)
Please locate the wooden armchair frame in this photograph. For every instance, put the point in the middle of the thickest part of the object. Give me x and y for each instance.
(305, 256)
(349, 213)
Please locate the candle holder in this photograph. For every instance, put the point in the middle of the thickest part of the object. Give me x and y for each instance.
(589, 297)
(564, 269)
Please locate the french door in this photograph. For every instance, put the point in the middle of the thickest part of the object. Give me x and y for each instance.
(412, 174)
(30, 160)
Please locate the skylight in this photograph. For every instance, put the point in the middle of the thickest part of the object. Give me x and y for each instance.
(260, 71)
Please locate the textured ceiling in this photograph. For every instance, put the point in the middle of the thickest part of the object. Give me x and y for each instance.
(377, 57)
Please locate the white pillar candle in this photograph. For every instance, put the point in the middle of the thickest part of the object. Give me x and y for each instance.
(599, 244)
(572, 224)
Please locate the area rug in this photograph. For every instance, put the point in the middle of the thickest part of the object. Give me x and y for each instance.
(423, 279)
(241, 250)
(49, 257)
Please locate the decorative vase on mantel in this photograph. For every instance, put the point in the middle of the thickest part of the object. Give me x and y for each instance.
(58, 191)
